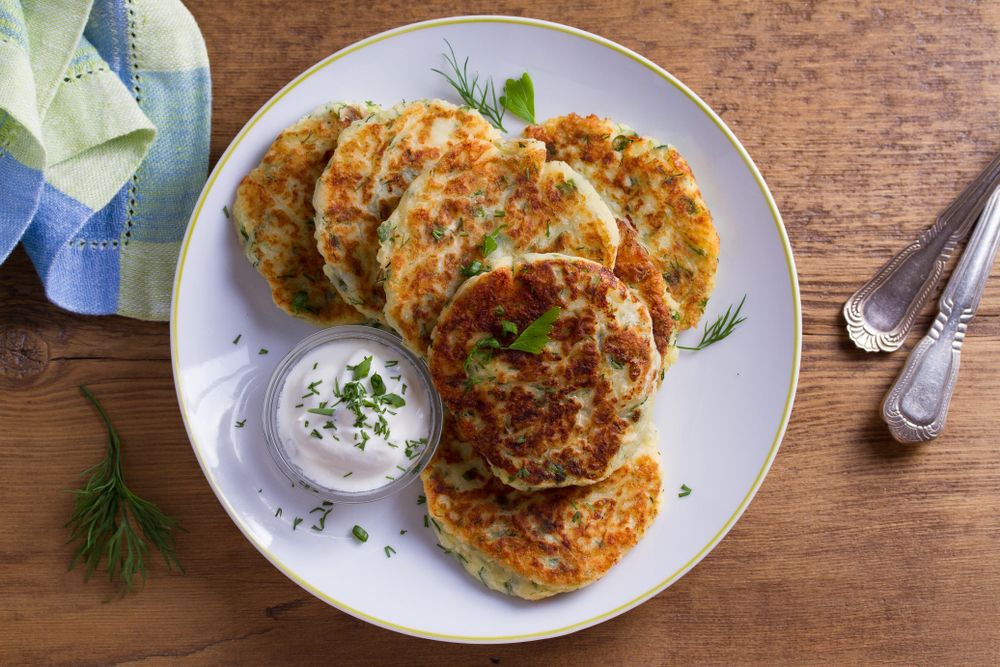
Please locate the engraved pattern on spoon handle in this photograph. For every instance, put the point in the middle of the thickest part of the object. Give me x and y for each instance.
(917, 404)
(881, 313)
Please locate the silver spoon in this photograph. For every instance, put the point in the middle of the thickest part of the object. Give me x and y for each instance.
(881, 313)
(917, 404)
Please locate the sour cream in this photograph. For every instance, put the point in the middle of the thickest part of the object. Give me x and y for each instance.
(353, 415)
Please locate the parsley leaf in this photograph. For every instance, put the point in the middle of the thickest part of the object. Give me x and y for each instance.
(532, 340)
(474, 268)
(566, 186)
(385, 230)
(534, 337)
(395, 400)
(361, 370)
(621, 142)
(300, 302)
(490, 241)
(519, 97)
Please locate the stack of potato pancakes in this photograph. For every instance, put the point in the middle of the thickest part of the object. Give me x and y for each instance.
(584, 242)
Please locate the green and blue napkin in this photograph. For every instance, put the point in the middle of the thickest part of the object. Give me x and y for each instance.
(104, 132)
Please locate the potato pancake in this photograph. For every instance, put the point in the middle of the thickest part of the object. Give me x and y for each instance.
(650, 184)
(273, 216)
(534, 545)
(570, 414)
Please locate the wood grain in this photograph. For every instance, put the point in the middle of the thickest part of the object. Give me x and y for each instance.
(865, 118)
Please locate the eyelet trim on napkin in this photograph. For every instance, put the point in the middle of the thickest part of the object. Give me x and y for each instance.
(131, 208)
(71, 79)
(135, 52)
(96, 245)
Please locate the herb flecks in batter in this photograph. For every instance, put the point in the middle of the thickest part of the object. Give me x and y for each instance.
(566, 186)
(473, 268)
(301, 303)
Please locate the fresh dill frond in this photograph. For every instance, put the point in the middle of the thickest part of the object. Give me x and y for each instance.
(479, 96)
(115, 524)
(724, 325)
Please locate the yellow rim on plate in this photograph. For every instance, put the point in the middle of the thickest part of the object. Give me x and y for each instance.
(782, 235)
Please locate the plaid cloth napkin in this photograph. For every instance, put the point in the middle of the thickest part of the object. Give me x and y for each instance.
(104, 127)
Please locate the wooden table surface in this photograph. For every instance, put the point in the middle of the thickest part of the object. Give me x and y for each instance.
(865, 118)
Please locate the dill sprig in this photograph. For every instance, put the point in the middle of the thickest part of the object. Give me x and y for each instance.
(482, 97)
(112, 522)
(724, 325)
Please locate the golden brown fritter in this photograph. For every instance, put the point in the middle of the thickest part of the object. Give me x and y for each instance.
(651, 185)
(569, 415)
(534, 545)
(375, 161)
(273, 216)
(453, 223)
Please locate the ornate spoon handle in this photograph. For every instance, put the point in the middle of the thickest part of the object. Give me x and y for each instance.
(881, 313)
(917, 405)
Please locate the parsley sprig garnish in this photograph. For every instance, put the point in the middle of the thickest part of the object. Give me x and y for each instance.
(724, 325)
(532, 340)
(536, 335)
(115, 524)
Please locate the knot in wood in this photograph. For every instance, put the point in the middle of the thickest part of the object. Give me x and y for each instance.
(23, 354)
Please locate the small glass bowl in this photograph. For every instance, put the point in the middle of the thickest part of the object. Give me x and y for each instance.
(360, 334)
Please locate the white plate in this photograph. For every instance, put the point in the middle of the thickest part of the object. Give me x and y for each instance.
(721, 412)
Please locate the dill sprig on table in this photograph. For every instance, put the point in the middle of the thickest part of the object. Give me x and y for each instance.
(724, 325)
(482, 97)
(113, 523)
